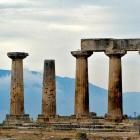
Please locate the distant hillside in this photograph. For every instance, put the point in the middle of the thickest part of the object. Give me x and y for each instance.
(65, 91)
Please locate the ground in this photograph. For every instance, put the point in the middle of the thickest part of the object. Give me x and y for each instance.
(36, 135)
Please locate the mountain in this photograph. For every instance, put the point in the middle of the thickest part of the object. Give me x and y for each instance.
(65, 92)
(131, 103)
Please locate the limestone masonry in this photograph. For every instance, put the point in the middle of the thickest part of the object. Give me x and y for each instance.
(81, 83)
(49, 91)
(110, 44)
(115, 111)
(113, 48)
(17, 87)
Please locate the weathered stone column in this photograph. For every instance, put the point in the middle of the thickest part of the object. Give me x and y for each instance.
(49, 89)
(17, 112)
(49, 92)
(81, 83)
(115, 110)
(17, 89)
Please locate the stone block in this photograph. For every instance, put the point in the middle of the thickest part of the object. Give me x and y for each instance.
(16, 119)
(103, 44)
(92, 114)
(73, 116)
(125, 138)
(65, 139)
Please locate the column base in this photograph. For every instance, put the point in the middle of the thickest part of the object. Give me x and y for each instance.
(16, 119)
(91, 114)
(43, 118)
(115, 119)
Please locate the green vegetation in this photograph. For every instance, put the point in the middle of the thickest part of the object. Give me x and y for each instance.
(81, 135)
(2, 123)
(138, 117)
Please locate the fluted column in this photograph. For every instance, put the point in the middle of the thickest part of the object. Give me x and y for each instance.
(49, 89)
(17, 86)
(81, 83)
(115, 109)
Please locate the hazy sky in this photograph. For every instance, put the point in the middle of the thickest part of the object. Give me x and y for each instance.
(51, 29)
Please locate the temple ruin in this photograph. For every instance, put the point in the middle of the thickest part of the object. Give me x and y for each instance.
(113, 48)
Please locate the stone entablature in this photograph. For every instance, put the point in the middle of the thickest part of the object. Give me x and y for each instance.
(109, 44)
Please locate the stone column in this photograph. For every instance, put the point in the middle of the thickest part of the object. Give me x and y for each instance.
(17, 89)
(49, 92)
(81, 83)
(115, 110)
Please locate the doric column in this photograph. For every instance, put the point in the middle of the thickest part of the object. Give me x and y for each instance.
(49, 89)
(81, 83)
(115, 110)
(17, 89)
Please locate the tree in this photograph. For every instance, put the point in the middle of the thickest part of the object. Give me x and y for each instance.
(138, 117)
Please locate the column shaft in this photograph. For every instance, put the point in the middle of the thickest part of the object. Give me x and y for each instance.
(115, 87)
(49, 89)
(17, 90)
(81, 88)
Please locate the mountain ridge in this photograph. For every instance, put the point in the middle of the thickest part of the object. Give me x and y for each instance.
(65, 93)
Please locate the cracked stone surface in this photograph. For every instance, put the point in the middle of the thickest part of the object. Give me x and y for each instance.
(81, 83)
(104, 44)
(17, 86)
(49, 89)
(115, 110)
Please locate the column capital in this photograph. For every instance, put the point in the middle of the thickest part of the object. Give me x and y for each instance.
(17, 55)
(82, 54)
(115, 53)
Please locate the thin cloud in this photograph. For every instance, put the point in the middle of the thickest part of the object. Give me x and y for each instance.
(52, 29)
(5, 82)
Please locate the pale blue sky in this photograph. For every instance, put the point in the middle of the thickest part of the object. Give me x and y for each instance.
(51, 29)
